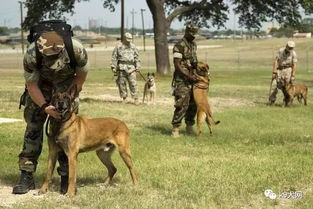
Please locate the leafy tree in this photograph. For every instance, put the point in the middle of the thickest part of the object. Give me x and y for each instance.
(4, 31)
(77, 27)
(205, 13)
(284, 31)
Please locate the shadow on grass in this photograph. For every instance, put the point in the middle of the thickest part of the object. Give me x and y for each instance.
(160, 129)
(279, 105)
(165, 130)
(13, 178)
(91, 100)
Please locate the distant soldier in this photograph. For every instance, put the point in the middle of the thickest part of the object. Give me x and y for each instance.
(125, 64)
(54, 70)
(185, 60)
(284, 70)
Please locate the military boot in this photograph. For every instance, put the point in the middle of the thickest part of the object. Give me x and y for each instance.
(25, 183)
(64, 184)
(175, 132)
(190, 130)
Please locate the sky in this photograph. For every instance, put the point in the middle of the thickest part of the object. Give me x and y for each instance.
(10, 14)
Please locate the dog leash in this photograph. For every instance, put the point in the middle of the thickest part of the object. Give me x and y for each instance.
(201, 87)
(142, 76)
(62, 120)
(47, 127)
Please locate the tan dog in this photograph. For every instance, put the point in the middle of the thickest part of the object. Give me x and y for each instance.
(296, 90)
(200, 91)
(149, 89)
(79, 134)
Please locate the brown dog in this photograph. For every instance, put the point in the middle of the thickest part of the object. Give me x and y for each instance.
(149, 89)
(79, 134)
(296, 90)
(200, 91)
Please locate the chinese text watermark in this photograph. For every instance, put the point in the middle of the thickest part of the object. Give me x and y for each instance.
(283, 195)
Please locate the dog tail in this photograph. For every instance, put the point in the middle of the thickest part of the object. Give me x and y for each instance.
(210, 120)
(209, 117)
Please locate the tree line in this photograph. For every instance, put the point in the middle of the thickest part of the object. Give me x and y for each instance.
(204, 13)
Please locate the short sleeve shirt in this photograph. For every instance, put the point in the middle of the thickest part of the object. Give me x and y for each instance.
(286, 59)
(187, 51)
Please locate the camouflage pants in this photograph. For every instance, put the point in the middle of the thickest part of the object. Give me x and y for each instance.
(33, 138)
(282, 79)
(185, 106)
(122, 79)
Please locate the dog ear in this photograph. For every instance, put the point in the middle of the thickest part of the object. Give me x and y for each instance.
(148, 74)
(54, 90)
(152, 74)
(207, 66)
(73, 91)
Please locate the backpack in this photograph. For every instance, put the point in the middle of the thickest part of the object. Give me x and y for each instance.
(59, 26)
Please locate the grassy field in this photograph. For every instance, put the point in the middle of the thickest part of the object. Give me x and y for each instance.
(256, 147)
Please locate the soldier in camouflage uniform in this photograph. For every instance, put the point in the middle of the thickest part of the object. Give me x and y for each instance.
(185, 60)
(125, 63)
(284, 70)
(55, 73)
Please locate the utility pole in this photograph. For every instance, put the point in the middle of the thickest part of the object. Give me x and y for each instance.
(127, 22)
(133, 27)
(122, 20)
(234, 32)
(22, 32)
(143, 30)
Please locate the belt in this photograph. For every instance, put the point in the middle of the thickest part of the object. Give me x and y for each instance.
(126, 62)
(283, 67)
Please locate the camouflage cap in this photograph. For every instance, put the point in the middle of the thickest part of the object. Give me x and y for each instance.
(191, 29)
(50, 43)
(291, 44)
(128, 36)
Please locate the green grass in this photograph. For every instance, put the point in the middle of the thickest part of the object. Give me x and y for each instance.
(256, 147)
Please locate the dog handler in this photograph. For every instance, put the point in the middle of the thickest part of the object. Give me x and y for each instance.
(125, 63)
(284, 70)
(55, 73)
(185, 60)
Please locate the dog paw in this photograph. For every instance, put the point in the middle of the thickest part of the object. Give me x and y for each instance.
(70, 194)
(42, 191)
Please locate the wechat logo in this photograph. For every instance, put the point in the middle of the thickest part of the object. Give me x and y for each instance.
(270, 194)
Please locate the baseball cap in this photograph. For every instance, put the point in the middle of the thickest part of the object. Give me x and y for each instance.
(191, 28)
(291, 44)
(128, 36)
(50, 43)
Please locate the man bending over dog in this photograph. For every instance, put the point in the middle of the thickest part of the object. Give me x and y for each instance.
(185, 60)
(52, 61)
(284, 71)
